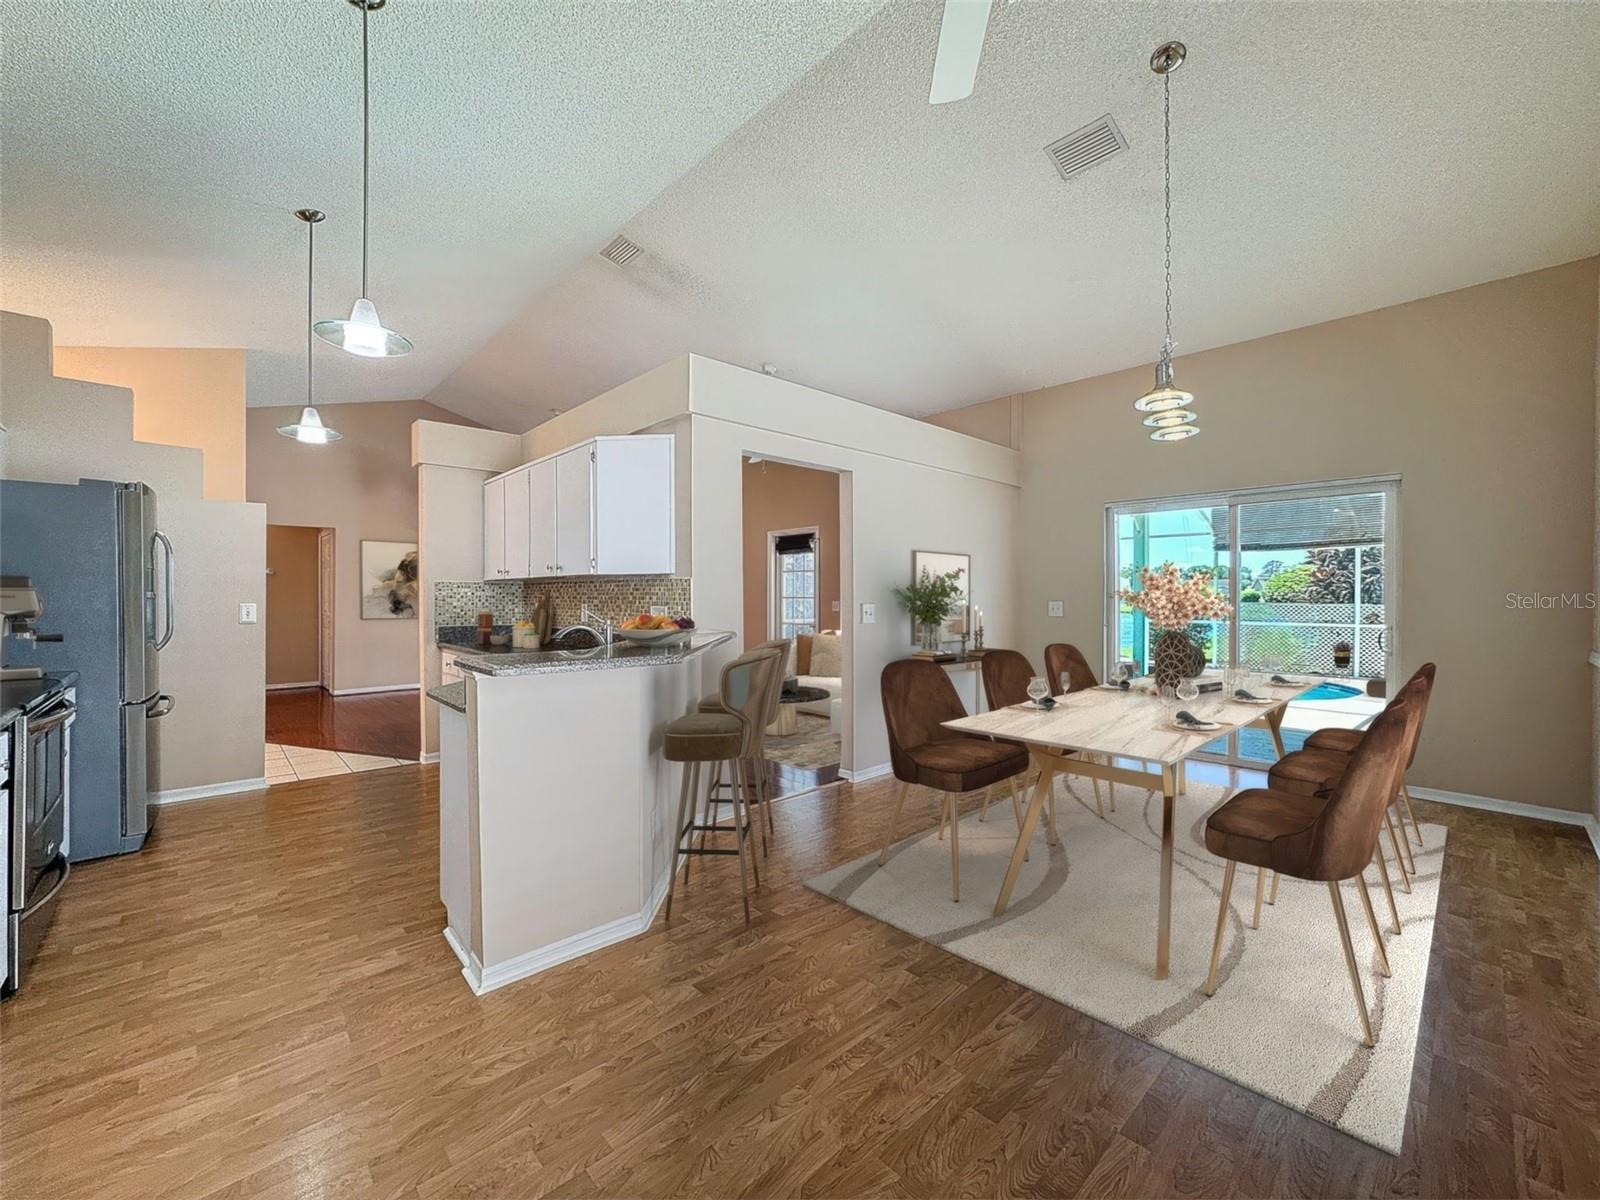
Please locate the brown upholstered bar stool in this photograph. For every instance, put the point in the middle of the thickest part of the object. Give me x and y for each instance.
(720, 791)
(731, 735)
(917, 698)
(1344, 741)
(1326, 838)
(1068, 671)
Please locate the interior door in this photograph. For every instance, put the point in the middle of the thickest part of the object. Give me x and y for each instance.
(516, 525)
(542, 518)
(494, 529)
(575, 511)
(325, 581)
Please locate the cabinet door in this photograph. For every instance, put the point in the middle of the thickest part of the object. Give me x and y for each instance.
(542, 518)
(574, 511)
(633, 506)
(494, 529)
(516, 519)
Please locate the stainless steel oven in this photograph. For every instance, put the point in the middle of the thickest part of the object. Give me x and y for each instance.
(40, 792)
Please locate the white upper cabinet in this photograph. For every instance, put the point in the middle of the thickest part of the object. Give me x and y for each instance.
(603, 507)
(518, 516)
(494, 529)
(575, 479)
(542, 518)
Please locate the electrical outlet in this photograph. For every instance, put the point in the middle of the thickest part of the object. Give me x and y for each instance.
(869, 614)
(1055, 608)
(247, 614)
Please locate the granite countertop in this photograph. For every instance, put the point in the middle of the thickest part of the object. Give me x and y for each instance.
(20, 696)
(618, 654)
(451, 695)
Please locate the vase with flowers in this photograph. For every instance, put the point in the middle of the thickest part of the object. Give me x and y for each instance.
(930, 599)
(1172, 605)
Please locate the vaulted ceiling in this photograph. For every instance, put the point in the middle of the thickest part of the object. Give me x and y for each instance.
(797, 199)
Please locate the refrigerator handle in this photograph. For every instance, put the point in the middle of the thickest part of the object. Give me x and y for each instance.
(158, 536)
(160, 706)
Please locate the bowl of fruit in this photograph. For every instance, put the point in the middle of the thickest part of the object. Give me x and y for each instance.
(645, 629)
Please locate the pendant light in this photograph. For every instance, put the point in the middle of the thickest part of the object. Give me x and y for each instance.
(364, 333)
(1166, 400)
(309, 428)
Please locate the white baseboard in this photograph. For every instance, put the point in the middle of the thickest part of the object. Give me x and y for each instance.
(431, 756)
(866, 773)
(1537, 812)
(367, 691)
(205, 792)
(284, 687)
(482, 980)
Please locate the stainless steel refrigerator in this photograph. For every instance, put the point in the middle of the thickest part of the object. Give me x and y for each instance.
(105, 572)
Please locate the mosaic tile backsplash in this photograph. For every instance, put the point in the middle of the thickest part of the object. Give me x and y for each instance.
(616, 597)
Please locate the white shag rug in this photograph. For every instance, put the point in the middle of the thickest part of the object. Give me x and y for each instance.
(1081, 929)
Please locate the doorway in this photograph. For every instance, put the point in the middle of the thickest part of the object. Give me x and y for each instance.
(792, 590)
(1310, 575)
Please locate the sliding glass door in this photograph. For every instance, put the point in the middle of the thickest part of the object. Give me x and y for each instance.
(1307, 574)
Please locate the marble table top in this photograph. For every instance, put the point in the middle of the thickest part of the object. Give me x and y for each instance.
(1132, 724)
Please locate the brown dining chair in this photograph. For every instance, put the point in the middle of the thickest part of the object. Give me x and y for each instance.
(1318, 772)
(1344, 741)
(918, 698)
(1068, 671)
(1005, 682)
(1325, 838)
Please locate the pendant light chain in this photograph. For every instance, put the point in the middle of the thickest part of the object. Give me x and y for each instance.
(366, 141)
(1166, 104)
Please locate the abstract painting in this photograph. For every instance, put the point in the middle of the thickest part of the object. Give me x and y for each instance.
(388, 580)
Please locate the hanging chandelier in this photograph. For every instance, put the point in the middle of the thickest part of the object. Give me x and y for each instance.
(363, 333)
(1168, 405)
(309, 428)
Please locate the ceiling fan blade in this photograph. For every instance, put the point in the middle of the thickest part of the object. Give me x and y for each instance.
(955, 67)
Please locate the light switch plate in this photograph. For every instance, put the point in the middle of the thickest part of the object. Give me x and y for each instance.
(835, 606)
(1055, 609)
(658, 610)
(247, 614)
(869, 614)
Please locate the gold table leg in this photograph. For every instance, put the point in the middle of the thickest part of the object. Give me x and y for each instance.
(1047, 774)
(1169, 785)
(1275, 727)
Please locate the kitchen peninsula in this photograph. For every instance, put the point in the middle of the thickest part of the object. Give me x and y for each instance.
(550, 846)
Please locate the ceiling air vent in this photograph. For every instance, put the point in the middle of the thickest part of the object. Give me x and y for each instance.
(621, 251)
(1082, 148)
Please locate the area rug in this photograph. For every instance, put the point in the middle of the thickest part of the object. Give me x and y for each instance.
(812, 746)
(1081, 929)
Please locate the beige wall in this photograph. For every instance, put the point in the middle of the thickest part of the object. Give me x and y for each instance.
(180, 398)
(291, 616)
(364, 488)
(60, 431)
(998, 421)
(780, 496)
(1482, 400)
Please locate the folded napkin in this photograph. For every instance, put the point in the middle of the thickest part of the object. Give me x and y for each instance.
(1189, 720)
(1290, 682)
(1244, 694)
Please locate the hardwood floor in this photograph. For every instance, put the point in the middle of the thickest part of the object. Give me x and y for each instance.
(386, 724)
(261, 1004)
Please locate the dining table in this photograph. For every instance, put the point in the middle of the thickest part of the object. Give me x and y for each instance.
(1129, 736)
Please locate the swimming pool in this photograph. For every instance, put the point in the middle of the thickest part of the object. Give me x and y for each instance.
(1333, 691)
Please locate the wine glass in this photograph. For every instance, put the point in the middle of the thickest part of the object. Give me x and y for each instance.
(1188, 691)
(1117, 673)
(1038, 689)
(1169, 702)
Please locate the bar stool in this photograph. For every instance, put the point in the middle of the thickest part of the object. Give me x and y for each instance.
(758, 763)
(730, 736)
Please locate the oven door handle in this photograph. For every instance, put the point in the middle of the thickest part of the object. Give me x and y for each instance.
(61, 881)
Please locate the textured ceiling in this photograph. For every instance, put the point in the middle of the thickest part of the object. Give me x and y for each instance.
(1329, 158)
(152, 151)
(797, 198)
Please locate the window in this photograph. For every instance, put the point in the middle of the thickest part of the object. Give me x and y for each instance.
(1308, 572)
(794, 582)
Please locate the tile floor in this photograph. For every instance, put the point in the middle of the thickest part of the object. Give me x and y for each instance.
(285, 764)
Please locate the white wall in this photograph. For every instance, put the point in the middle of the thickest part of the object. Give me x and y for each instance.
(60, 431)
